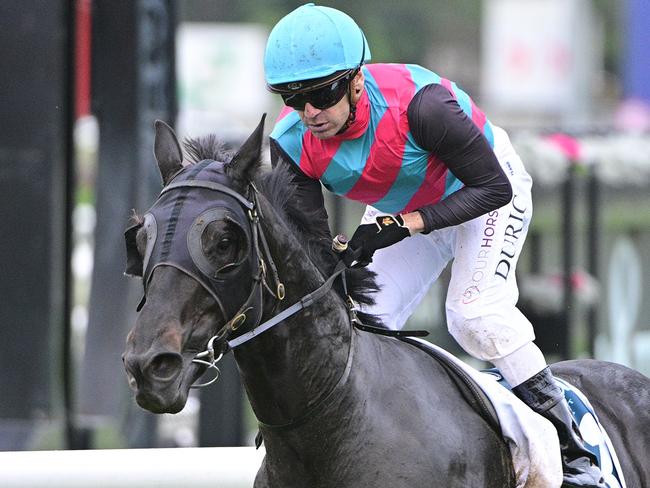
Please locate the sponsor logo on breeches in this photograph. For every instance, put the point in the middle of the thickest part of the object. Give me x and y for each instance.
(510, 239)
(473, 292)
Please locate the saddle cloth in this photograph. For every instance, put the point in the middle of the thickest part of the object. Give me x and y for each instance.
(531, 439)
(593, 433)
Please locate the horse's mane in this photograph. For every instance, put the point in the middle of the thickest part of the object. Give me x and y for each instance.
(311, 227)
(313, 231)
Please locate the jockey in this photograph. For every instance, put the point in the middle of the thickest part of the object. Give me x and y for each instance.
(440, 182)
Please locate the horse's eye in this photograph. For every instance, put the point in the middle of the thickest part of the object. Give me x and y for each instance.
(224, 244)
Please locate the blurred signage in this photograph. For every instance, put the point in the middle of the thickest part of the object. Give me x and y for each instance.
(540, 55)
(220, 77)
(626, 340)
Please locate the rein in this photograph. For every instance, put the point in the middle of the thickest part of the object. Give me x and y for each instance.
(261, 249)
(213, 357)
(221, 343)
(304, 302)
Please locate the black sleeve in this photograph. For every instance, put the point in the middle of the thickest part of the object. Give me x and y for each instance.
(439, 125)
(309, 191)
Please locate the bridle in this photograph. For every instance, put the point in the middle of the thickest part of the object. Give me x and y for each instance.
(232, 334)
(223, 341)
(246, 323)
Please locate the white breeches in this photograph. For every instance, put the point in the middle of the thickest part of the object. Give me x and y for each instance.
(481, 300)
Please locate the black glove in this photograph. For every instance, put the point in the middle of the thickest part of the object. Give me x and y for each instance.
(369, 237)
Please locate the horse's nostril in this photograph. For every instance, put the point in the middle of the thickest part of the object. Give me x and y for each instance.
(165, 365)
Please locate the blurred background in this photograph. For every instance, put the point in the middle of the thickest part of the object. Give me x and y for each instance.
(83, 81)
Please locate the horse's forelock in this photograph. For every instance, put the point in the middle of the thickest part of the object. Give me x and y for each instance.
(206, 147)
(198, 149)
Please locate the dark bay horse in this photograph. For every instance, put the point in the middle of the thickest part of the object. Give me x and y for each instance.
(226, 248)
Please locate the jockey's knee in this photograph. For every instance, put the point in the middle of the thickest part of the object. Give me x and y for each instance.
(487, 336)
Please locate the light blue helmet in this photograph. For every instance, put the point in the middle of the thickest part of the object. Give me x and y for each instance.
(313, 42)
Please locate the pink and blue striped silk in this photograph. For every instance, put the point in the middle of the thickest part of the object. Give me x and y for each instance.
(376, 161)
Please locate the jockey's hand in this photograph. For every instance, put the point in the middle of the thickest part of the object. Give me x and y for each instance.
(386, 231)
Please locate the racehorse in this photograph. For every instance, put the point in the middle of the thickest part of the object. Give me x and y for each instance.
(230, 262)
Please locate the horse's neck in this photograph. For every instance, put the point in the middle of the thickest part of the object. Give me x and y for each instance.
(292, 366)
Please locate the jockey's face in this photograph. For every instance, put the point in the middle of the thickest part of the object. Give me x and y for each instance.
(326, 123)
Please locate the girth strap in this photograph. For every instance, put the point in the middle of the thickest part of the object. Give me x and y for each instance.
(389, 332)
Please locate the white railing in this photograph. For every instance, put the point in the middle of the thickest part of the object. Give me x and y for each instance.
(222, 467)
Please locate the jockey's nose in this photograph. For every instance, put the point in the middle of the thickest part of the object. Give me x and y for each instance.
(311, 111)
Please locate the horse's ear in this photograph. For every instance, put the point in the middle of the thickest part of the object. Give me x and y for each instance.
(247, 159)
(167, 151)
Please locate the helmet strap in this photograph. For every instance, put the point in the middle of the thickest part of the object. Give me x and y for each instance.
(353, 112)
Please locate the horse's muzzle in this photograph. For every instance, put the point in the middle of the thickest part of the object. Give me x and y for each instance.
(156, 380)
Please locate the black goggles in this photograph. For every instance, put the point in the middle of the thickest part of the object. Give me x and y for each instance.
(321, 98)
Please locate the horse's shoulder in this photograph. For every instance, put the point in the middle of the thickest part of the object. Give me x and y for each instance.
(413, 368)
